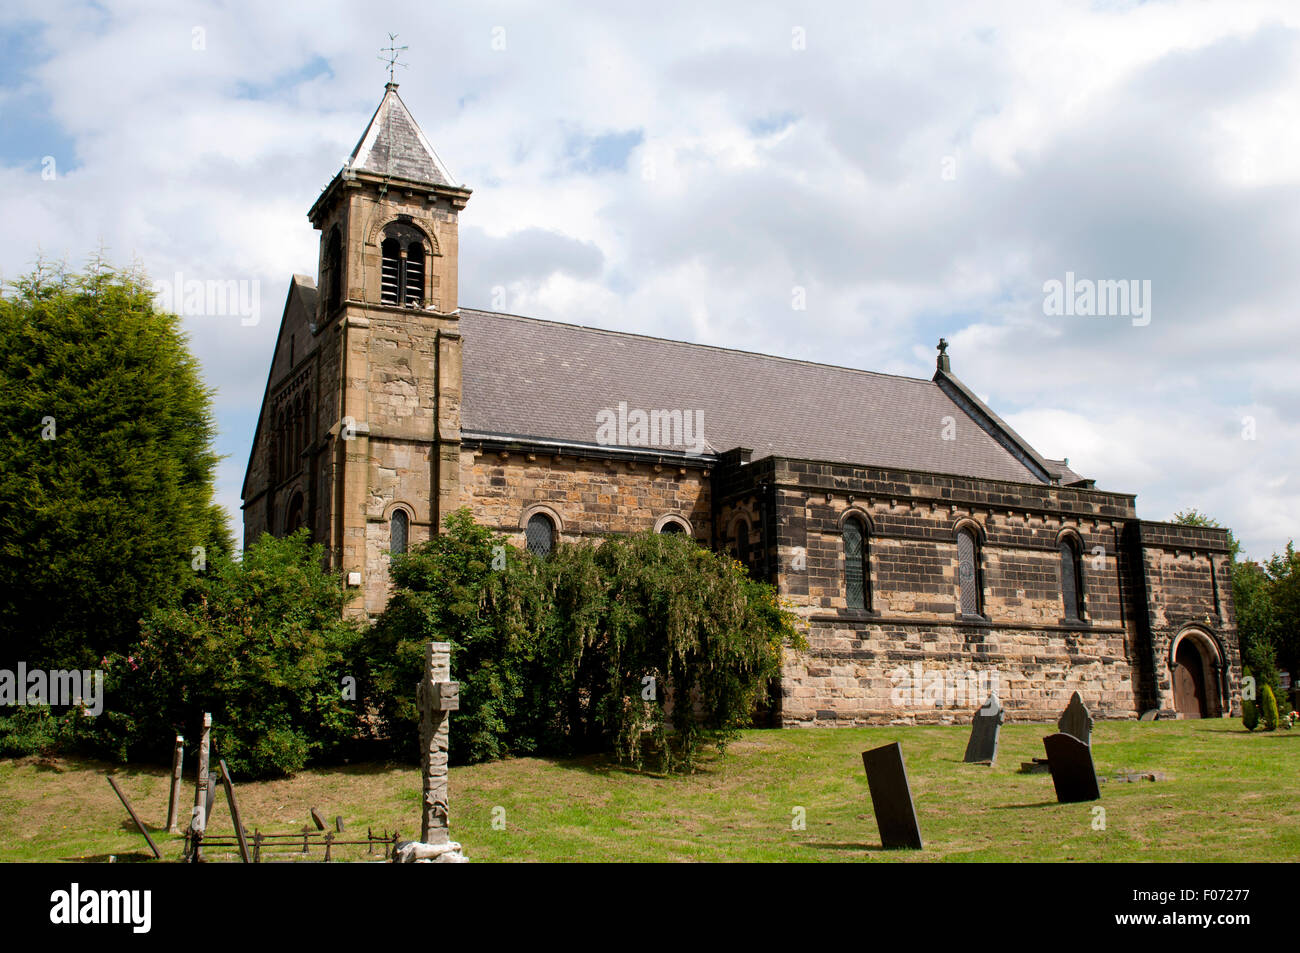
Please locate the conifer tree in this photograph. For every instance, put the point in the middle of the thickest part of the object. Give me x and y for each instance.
(106, 464)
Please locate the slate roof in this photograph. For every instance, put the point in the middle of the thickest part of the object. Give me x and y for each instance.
(394, 145)
(529, 378)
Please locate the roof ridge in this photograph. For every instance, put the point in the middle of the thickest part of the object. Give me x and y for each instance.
(696, 344)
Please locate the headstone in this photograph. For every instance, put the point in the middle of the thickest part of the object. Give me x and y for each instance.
(1076, 721)
(317, 819)
(982, 748)
(891, 797)
(1073, 774)
(1150, 715)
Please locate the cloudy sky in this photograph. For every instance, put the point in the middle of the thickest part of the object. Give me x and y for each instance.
(674, 169)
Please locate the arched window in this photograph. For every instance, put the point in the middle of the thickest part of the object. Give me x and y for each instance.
(282, 428)
(334, 271)
(294, 520)
(306, 420)
(968, 574)
(1071, 579)
(273, 454)
(398, 531)
(672, 524)
(742, 551)
(855, 563)
(402, 266)
(539, 535)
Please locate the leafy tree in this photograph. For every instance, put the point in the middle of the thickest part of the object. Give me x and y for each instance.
(1194, 517)
(106, 464)
(447, 590)
(686, 644)
(1261, 629)
(1284, 574)
(1258, 624)
(259, 642)
(647, 644)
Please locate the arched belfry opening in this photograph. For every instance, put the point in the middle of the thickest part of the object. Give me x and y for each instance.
(402, 266)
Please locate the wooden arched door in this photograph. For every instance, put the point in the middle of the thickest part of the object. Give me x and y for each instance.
(1189, 681)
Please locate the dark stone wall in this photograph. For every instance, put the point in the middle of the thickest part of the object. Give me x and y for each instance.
(861, 666)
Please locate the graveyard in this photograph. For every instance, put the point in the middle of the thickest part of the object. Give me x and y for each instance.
(1222, 794)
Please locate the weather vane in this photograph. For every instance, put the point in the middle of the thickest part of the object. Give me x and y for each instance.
(393, 51)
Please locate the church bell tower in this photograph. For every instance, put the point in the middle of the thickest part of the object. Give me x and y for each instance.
(387, 331)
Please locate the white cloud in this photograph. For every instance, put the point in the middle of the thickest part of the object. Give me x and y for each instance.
(1120, 140)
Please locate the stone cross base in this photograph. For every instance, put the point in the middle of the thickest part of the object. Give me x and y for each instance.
(416, 852)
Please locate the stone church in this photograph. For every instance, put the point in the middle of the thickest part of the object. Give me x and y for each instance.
(932, 552)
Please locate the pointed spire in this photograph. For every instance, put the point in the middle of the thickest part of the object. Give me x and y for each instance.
(393, 145)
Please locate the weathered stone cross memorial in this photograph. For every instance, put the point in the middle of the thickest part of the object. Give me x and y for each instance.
(437, 697)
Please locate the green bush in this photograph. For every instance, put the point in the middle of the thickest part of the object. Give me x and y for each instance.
(447, 590)
(1268, 709)
(36, 730)
(649, 645)
(259, 642)
(687, 626)
(1249, 714)
(1249, 707)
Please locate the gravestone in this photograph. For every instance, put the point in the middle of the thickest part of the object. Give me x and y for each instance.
(891, 797)
(1150, 715)
(982, 748)
(1073, 774)
(1076, 721)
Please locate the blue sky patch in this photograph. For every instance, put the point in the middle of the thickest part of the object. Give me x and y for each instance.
(604, 153)
(28, 131)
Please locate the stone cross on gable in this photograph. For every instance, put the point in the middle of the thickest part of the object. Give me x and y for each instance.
(436, 697)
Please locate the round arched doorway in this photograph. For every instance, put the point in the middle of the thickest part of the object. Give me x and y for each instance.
(1195, 671)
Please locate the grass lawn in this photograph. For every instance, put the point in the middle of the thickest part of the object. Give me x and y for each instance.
(1229, 795)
